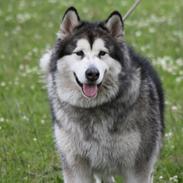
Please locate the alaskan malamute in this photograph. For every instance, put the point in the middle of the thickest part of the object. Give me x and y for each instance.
(106, 102)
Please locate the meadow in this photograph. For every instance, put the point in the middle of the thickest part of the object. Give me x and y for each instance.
(27, 29)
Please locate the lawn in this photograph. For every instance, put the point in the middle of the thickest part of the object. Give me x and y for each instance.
(27, 29)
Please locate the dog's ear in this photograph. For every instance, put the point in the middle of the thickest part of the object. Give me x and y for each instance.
(115, 25)
(69, 22)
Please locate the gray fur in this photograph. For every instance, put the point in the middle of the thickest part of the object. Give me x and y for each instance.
(117, 133)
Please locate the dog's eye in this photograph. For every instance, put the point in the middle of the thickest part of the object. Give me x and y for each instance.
(80, 53)
(102, 53)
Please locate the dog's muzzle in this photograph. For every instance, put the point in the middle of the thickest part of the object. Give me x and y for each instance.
(90, 88)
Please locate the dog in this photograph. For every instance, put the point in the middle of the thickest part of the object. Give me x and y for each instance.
(107, 103)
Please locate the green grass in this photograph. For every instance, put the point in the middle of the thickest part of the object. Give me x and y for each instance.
(27, 28)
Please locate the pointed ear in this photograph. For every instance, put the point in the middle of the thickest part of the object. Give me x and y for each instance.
(115, 25)
(69, 22)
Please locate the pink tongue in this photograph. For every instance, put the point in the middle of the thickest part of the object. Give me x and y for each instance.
(90, 90)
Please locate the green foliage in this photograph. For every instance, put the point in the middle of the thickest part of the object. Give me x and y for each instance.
(27, 28)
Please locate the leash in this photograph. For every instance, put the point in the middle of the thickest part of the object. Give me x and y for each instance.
(130, 11)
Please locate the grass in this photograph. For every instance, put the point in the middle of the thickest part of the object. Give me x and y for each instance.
(27, 28)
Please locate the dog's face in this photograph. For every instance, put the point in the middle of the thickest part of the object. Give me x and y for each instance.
(87, 60)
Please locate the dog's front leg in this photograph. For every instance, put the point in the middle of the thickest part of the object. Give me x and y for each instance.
(143, 177)
(80, 172)
(104, 179)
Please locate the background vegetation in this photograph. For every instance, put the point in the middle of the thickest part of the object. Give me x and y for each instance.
(27, 28)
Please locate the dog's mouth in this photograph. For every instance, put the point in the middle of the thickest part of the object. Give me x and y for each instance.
(89, 90)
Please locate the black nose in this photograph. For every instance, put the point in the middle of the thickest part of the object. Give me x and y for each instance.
(92, 74)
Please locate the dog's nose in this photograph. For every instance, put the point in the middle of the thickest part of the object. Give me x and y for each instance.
(92, 74)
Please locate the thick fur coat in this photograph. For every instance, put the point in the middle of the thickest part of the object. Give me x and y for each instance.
(106, 102)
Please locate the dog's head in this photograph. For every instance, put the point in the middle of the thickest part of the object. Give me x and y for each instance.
(87, 60)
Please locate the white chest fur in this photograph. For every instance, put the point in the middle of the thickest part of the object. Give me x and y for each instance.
(105, 151)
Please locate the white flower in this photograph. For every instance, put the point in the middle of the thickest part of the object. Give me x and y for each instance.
(25, 118)
(3, 84)
(174, 108)
(138, 34)
(179, 62)
(168, 135)
(22, 18)
(32, 87)
(2, 119)
(174, 178)
(179, 79)
(169, 64)
(152, 30)
(34, 139)
(42, 121)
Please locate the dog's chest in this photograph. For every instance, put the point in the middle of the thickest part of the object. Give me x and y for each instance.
(96, 139)
(112, 151)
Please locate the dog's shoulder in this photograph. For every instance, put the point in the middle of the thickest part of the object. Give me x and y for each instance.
(148, 71)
